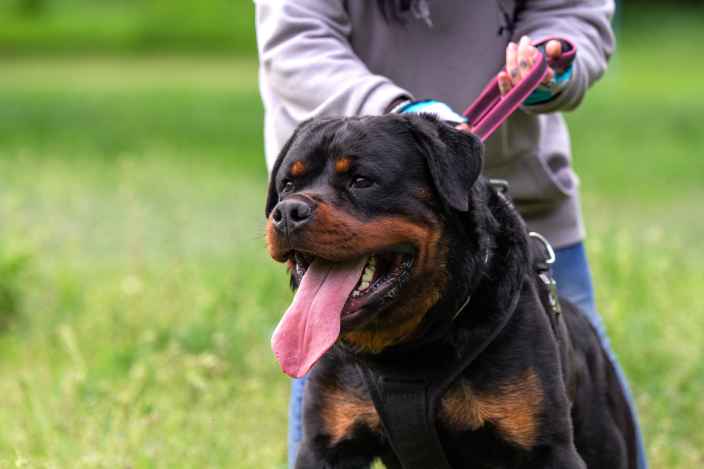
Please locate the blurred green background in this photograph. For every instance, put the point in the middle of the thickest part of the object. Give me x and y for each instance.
(136, 297)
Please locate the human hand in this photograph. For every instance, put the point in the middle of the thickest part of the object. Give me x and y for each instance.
(520, 59)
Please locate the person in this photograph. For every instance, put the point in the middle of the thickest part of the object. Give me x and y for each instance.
(348, 58)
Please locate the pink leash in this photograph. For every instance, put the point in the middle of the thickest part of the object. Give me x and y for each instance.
(490, 109)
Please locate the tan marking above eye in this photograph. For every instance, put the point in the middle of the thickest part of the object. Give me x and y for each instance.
(297, 168)
(342, 165)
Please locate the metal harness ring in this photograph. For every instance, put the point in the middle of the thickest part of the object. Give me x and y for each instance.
(548, 247)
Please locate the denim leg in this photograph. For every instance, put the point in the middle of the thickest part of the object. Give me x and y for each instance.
(574, 282)
(295, 419)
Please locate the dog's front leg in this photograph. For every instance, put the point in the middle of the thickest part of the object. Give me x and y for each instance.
(310, 457)
(307, 459)
(562, 457)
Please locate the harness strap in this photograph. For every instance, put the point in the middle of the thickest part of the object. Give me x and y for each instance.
(546, 288)
(405, 411)
(543, 257)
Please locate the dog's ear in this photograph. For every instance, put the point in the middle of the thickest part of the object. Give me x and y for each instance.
(272, 197)
(454, 158)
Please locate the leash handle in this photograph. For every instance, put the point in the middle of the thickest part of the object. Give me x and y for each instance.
(490, 110)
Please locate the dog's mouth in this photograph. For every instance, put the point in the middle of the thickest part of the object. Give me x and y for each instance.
(384, 275)
(336, 296)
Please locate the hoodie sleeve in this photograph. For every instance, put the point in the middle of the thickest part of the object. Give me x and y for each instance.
(587, 23)
(306, 60)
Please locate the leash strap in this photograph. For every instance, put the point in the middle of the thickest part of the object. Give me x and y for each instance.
(490, 110)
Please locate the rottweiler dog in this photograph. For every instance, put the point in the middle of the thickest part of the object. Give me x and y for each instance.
(400, 251)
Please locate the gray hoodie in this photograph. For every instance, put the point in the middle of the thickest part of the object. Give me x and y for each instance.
(344, 58)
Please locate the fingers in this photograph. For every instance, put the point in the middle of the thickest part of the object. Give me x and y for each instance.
(519, 60)
(512, 74)
(526, 54)
(505, 83)
(512, 61)
(554, 49)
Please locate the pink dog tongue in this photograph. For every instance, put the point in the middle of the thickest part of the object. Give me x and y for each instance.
(311, 324)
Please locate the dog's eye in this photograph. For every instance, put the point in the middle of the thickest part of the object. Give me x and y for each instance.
(286, 186)
(360, 183)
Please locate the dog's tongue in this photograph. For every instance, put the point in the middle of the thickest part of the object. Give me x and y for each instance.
(311, 324)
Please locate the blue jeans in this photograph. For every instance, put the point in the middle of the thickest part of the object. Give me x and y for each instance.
(574, 281)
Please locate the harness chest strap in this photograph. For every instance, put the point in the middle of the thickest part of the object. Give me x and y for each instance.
(406, 411)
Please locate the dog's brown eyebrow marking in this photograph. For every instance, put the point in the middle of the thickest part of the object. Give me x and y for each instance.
(297, 168)
(514, 409)
(342, 164)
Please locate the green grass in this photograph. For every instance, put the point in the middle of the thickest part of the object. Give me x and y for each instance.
(131, 194)
(70, 27)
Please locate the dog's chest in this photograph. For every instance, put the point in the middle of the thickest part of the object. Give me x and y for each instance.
(512, 408)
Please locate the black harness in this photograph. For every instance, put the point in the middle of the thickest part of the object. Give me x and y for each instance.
(407, 396)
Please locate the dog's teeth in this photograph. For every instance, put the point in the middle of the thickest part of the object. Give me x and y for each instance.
(368, 275)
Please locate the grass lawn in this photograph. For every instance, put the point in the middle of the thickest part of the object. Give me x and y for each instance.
(137, 301)
(64, 27)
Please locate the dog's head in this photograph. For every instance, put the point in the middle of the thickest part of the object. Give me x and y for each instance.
(374, 217)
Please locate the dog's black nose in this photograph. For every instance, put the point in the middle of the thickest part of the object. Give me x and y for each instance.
(291, 214)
